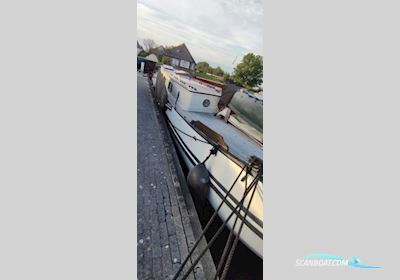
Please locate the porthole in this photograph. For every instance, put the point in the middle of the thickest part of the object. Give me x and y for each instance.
(206, 102)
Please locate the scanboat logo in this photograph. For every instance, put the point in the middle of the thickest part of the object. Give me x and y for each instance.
(329, 260)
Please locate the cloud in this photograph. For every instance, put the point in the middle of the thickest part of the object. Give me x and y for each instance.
(216, 31)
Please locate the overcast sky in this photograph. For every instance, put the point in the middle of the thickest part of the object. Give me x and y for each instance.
(216, 31)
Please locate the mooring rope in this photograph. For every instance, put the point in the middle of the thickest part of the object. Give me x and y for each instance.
(208, 225)
(228, 248)
(232, 251)
(213, 151)
(253, 185)
(187, 134)
(210, 243)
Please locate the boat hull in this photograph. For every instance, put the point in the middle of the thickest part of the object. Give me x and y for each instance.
(223, 172)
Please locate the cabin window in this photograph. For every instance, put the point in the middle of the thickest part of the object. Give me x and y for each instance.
(173, 90)
(175, 62)
(185, 64)
(206, 102)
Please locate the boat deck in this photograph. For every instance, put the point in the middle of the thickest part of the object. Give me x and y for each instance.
(239, 143)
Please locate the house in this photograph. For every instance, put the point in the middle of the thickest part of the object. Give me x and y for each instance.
(139, 47)
(180, 57)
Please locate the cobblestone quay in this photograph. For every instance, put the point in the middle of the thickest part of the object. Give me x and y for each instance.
(167, 223)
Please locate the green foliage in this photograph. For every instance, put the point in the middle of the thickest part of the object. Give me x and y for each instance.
(209, 77)
(227, 78)
(249, 72)
(202, 67)
(165, 60)
(218, 71)
(143, 53)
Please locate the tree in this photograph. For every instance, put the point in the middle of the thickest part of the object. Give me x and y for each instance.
(227, 78)
(165, 60)
(149, 44)
(249, 72)
(202, 67)
(218, 71)
(143, 53)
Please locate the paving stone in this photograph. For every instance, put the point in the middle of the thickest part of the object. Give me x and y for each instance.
(164, 230)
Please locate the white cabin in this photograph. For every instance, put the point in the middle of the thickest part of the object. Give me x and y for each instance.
(190, 94)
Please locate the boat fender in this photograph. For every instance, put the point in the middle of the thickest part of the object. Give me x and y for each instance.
(198, 180)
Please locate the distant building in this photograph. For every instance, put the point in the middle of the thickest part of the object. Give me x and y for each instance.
(139, 47)
(178, 56)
